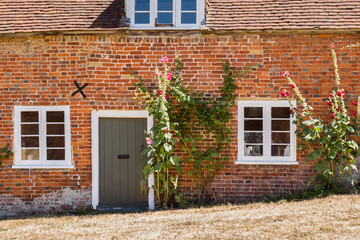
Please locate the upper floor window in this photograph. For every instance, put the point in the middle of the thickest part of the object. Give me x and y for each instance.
(165, 13)
(42, 137)
(266, 134)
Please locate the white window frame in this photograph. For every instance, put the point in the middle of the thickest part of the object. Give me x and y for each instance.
(266, 159)
(42, 163)
(200, 15)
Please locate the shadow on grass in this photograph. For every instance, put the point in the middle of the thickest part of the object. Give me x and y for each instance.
(307, 195)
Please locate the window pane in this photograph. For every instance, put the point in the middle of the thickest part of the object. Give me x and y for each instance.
(280, 112)
(277, 137)
(142, 18)
(253, 137)
(253, 150)
(29, 154)
(142, 5)
(56, 154)
(29, 141)
(55, 141)
(29, 116)
(188, 18)
(188, 5)
(253, 125)
(280, 125)
(29, 129)
(164, 18)
(165, 5)
(280, 150)
(55, 129)
(253, 112)
(55, 116)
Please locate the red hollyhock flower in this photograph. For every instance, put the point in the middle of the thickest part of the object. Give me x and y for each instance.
(165, 131)
(332, 115)
(159, 92)
(284, 93)
(341, 93)
(329, 103)
(355, 113)
(331, 95)
(290, 111)
(166, 97)
(355, 103)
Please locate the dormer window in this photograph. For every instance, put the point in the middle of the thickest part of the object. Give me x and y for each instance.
(165, 13)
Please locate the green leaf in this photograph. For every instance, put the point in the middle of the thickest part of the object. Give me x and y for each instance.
(308, 123)
(168, 147)
(146, 150)
(320, 167)
(175, 160)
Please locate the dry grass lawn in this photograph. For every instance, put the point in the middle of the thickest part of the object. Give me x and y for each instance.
(334, 217)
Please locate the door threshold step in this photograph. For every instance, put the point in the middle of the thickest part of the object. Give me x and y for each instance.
(125, 209)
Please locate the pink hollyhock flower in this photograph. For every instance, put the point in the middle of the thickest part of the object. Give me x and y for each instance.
(169, 76)
(155, 73)
(165, 59)
(283, 74)
(332, 115)
(148, 141)
(355, 103)
(165, 131)
(333, 45)
(355, 113)
(341, 93)
(159, 92)
(166, 97)
(331, 95)
(329, 103)
(284, 93)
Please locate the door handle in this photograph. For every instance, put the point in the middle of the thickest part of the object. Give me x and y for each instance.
(124, 156)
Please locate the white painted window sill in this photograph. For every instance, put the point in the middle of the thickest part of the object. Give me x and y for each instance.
(266, 162)
(42, 167)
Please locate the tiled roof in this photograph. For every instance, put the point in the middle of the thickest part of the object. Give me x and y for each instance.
(18, 16)
(54, 15)
(283, 14)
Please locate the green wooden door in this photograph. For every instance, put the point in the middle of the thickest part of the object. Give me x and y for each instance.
(121, 141)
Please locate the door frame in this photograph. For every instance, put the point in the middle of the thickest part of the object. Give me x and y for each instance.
(95, 115)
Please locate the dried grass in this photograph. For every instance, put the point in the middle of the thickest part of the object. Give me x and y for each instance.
(334, 217)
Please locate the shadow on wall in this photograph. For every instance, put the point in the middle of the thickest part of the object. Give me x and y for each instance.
(112, 17)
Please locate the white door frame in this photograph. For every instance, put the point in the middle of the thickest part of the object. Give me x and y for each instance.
(95, 115)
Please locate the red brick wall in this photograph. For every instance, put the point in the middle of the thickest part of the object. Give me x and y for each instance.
(40, 70)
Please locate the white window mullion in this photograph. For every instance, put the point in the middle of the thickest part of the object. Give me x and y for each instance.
(177, 13)
(42, 137)
(153, 12)
(267, 131)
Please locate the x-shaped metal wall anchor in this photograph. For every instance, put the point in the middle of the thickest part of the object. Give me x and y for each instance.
(80, 89)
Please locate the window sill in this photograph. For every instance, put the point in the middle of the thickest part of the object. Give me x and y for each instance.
(42, 167)
(256, 162)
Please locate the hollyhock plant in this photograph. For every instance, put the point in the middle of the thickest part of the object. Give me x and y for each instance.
(160, 140)
(335, 139)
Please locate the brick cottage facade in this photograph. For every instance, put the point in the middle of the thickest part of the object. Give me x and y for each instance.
(56, 137)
